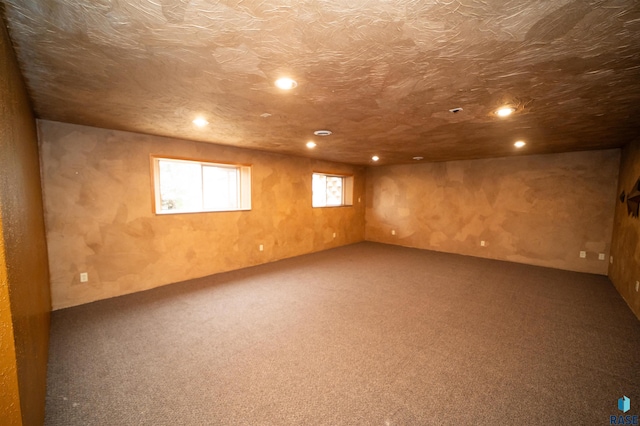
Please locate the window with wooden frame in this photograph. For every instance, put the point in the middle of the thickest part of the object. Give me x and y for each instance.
(188, 186)
(332, 190)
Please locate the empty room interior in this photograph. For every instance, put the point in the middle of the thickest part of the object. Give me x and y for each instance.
(255, 212)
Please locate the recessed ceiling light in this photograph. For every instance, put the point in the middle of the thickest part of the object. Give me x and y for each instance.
(200, 122)
(418, 158)
(519, 144)
(504, 111)
(375, 158)
(323, 133)
(286, 83)
(311, 144)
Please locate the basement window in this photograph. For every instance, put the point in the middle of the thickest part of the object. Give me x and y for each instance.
(330, 190)
(187, 186)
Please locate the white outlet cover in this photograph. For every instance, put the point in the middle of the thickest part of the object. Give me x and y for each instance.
(84, 277)
(611, 259)
(261, 247)
(483, 243)
(583, 254)
(637, 285)
(600, 256)
(393, 232)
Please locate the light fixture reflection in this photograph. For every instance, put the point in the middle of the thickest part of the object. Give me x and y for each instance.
(375, 158)
(519, 144)
(311, 144)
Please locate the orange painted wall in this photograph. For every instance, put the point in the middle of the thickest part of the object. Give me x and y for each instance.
(9, 392)
(97, 186)
(24, 280)
(539, 209)
(625, 247)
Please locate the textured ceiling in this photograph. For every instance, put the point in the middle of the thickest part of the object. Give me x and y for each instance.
(381, 74)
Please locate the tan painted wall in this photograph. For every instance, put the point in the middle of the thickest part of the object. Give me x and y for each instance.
(23, 259)
(539, 210)
(625, 246)
(99, 214)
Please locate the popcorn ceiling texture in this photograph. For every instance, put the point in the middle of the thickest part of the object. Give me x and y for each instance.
(539, 210)
(97, 191)
(382, 75)
(24, 281)
(625, 247)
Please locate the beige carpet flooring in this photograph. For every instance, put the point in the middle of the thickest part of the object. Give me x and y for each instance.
(367, 334)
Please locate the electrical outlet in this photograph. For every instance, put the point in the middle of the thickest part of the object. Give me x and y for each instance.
(637, 285)
(483, 243)
(583, 254)
(600, 256)
(84, 277)
(334, 235)
(393, 232)
(611, 260)
(261, 247)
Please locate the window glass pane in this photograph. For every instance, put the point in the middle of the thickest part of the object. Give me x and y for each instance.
(331, 190)
(189, 186)
(319, 190)
(220, 188)
(334, 190)
(180, 186)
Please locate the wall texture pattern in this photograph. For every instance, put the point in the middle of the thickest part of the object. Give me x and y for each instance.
(24, 278)
(97, 186)
(625, 245)
(539, 210)
(9, 390)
